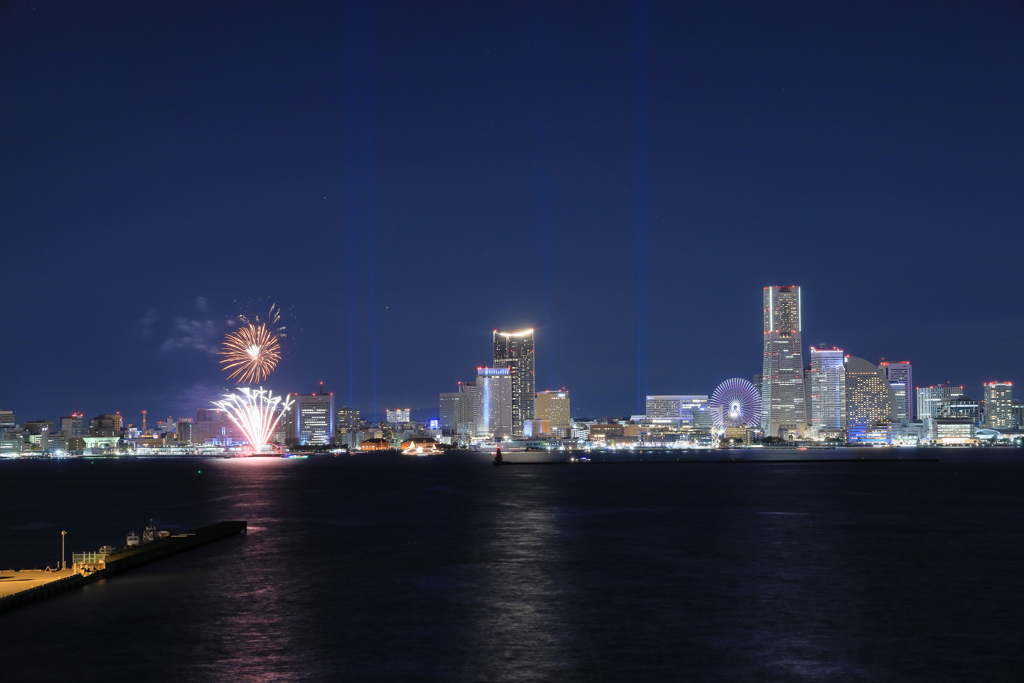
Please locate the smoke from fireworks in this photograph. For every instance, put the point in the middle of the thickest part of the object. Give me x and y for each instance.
(251, 353)
(256, 412)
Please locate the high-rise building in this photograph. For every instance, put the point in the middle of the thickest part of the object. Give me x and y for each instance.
(553, 406)
(514, 350)
(999, 405)
(348, 419)
(8, 422)
(869, 397)
(183, 430)
(105, 425)
(901, 377)
(782, 384)
(493, 414)
(466, 409)
(37, 427)
(398, 415)
(959, 408)
(73, 425)
(310, 422)
(928, 398)
(828, 388)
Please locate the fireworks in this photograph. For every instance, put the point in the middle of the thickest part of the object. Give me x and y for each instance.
(272, 321)
(256, 412)
(251, 353)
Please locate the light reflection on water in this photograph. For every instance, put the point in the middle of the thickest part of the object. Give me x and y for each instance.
(448, 569)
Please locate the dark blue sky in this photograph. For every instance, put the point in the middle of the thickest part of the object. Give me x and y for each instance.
(406, 177)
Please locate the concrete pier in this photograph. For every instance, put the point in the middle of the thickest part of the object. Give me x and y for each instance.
(20, 588)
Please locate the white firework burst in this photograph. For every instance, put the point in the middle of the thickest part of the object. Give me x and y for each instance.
(256, 412)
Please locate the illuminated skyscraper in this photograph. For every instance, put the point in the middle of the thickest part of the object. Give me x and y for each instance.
(928, 399)
(782, 370)
(514, 350)
(458, 410)
(494, 403)
(73, 425)
(310, 422)
(999, 405)
(869, 398)
(901, 378)
(828, 388)
(554, 407)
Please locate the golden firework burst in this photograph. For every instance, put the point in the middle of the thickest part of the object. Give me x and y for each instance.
(251, 353)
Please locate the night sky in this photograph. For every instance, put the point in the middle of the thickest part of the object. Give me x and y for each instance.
(403, 178)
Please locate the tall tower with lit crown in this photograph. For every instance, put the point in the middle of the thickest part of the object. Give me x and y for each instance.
(514, 350)
(783, 403)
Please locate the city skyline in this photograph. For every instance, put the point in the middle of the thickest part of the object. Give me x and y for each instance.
(813, 391)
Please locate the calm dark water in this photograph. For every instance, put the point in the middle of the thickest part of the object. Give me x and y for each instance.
(447, 569)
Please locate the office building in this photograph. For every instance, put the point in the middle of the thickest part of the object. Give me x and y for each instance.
(928, 398)
(8, 422)
(999, 405)
(553, 406)
(466, 409)
(783, 402)
(348, 418)
(183, 430)
(692, 409)
(493, 414)
(828, 388)
(398, 416)
(37, 427)
(73, 425)
(900, 375)
(959, 408)
(869, 397)
(514, 350)
(105, 425)
(310, 421)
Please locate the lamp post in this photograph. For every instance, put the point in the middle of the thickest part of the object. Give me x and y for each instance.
(63, 563)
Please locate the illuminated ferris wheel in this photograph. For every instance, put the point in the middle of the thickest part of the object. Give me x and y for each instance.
(736, 403)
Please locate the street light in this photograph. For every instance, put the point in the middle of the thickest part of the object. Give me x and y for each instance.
(63, 564)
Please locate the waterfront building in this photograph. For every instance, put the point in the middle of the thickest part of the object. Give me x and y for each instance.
(828, 388)
(515, 350)
(183, 430)
(869, 399)
(37, 427)
(900, 375)
(928, 398)
(1017, 411)
(535, 428)
(959, 407)
(73, 425)
(553, 406)
(105, 425)
(493, 413)
(398, 416)
(310, 421)
(8, 422)
(947, 431)
(692, 409)
(999, 405)
(783, 402)
(448, 404)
